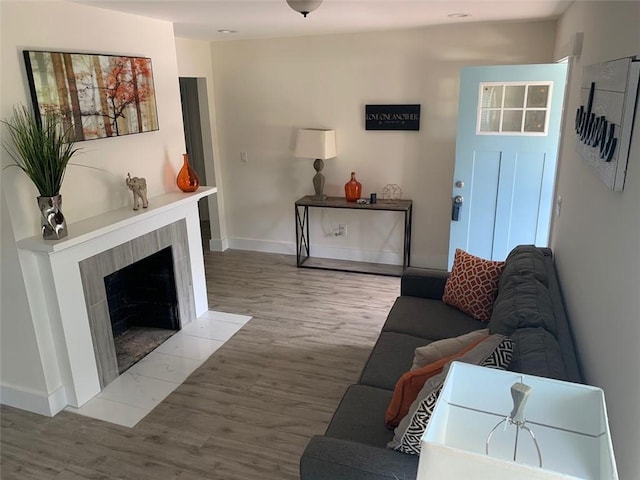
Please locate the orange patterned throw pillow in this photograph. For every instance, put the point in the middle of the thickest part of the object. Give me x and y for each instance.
(473, 285)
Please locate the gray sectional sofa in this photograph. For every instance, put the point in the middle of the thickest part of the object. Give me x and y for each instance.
(529, 308)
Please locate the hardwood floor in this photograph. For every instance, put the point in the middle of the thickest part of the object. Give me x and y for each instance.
(250, 409)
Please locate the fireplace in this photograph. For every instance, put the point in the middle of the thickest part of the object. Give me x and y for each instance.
(143, 306)
(136, 283)
(68, 299)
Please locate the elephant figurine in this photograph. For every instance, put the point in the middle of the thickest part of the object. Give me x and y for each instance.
(138, 185)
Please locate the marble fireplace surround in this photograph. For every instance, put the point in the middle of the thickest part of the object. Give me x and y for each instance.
(94, 269)
(67, 313)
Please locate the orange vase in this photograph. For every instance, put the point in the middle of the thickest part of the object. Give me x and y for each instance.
(187, 180)
(352, 189)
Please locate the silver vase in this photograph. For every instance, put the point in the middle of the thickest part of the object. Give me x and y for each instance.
(51, 219)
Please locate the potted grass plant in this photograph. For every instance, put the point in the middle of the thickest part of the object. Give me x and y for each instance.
(42, 148)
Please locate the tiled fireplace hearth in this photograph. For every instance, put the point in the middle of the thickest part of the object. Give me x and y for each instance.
(67, 296)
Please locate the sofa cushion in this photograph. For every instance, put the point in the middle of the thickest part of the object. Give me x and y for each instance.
(390, 358)
(411, 383)
(494, 352)
(523, 303)
(473, 284)
(359, 417)
(537, 352)
(434, 351)
(327, 458)
(524, 261)
(429, 319)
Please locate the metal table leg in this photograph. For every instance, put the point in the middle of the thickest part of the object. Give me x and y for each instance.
(302, 235)
(406, 257)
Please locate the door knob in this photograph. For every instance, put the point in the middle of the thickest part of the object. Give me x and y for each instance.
(455, 210)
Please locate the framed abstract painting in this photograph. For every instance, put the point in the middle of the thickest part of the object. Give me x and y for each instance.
(97, 96)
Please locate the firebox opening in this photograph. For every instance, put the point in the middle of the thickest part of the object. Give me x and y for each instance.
(143, 306)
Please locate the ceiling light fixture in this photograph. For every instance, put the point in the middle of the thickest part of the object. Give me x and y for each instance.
(305, 7)
(225, 31)
(458, 15)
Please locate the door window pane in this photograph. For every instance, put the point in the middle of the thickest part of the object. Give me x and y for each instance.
(490, 121)
(512, 121)
(514, 96)
(537, 96)
(513, 108)
(492, 97)
(534, 120)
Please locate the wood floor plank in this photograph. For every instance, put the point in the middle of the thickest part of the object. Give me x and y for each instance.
(248, 412)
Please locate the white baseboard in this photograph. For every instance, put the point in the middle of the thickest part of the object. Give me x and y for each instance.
(32, 401)
(267, 246)
(218, 244)
(439, 262)
(340, 253)
(319, 251)
(357, 255)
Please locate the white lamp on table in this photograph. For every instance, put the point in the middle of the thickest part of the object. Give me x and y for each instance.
(321, 145)
(569, 421)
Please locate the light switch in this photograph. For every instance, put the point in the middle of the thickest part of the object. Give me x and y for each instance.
(243, 157)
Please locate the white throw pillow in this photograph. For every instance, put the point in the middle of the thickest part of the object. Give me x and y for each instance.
(446, 347)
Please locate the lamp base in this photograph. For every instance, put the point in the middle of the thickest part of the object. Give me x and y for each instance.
(318, 180)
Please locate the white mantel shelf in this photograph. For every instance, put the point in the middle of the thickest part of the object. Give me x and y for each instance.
(93, 227)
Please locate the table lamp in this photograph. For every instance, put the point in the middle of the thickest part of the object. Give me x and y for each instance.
(321, 145)
(564, 432)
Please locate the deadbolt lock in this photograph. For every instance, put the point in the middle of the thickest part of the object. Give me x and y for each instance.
(455, 210)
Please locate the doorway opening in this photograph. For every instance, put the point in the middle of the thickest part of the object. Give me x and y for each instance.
(199, 143)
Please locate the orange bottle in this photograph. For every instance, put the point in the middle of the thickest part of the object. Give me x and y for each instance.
(352, 189)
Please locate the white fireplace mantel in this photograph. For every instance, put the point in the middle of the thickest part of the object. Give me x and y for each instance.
(56, 298)
(90, 228)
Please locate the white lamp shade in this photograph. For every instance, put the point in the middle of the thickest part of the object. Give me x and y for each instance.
(316, 143)
(569, 421)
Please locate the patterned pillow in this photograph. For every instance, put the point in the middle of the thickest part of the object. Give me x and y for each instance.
(411, 429)
(473, 285)
(410, 442)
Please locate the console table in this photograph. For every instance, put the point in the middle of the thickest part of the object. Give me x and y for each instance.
(303, 242)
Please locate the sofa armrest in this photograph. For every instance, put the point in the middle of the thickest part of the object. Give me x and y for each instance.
(423, 282)
(327, 458)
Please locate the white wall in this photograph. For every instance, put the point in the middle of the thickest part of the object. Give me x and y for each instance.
(596, 238)
(64, 26)
(18, 344)
(266, 89)
(194, 60)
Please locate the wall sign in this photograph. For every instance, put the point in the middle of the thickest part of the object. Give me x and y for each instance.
(392, 117)
(604, 120)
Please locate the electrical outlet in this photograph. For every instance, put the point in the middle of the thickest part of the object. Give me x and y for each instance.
(342, 230)
(243, 157)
